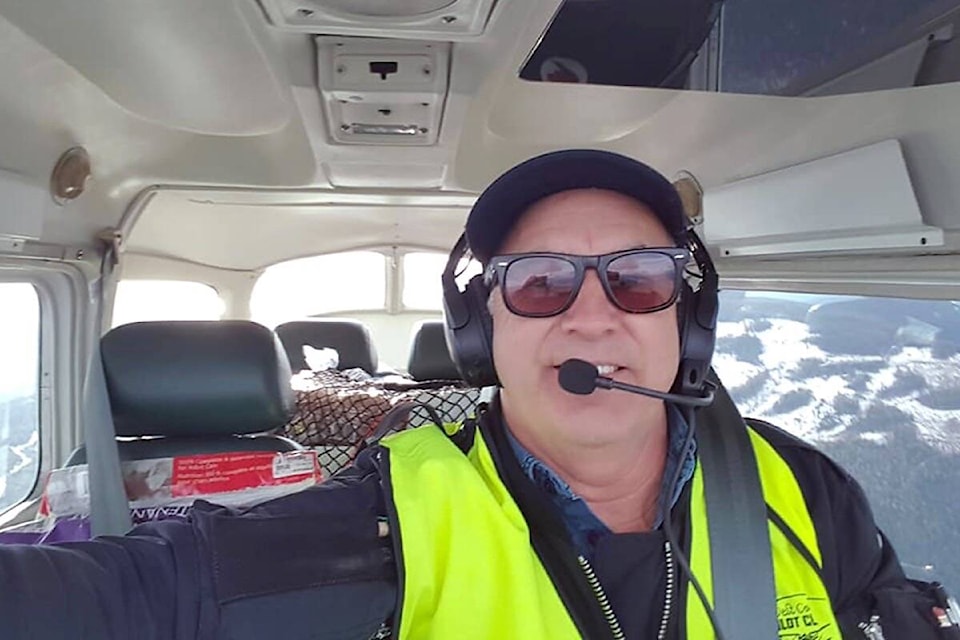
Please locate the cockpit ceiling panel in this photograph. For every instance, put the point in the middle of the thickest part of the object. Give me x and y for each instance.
(244, 235)
(202, 67)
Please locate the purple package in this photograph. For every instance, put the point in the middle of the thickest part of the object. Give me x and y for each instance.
(63, 530)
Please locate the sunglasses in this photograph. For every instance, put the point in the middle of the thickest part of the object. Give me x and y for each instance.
(540, 285)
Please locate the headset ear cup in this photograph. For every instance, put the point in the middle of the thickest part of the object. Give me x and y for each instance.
(684, 302)
(697, 319)
(470, 336)
(486, 372)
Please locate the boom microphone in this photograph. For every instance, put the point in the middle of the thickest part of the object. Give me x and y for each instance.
(582, 378)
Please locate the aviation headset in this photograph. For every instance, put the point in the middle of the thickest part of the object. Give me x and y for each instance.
(468, 325)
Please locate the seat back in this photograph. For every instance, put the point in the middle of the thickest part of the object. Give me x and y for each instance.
(185, 388)
(429, 354)
(350, 338)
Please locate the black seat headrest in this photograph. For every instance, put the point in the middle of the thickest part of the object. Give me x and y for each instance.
(350, 338)
(429, 355)
(182, 378)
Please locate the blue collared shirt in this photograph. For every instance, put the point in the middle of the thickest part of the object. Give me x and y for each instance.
(584, 526)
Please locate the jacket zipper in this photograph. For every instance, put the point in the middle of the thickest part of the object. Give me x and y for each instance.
(575, 582)
(604, 602)
(601, 596)
(668, 595)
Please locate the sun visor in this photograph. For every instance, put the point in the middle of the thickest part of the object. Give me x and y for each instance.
(858, 201)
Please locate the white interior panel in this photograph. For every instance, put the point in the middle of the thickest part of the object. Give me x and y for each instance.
(192, 229)
(48, 106)
(720, 138)
(191, 66)
(51, 101)
(371, 175)
(858, 200)
(22, 200)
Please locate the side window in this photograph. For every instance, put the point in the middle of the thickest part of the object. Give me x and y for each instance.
(143, 300)
(19, 391)
(875, 384)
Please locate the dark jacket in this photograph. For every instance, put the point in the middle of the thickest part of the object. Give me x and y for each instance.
(312, 565)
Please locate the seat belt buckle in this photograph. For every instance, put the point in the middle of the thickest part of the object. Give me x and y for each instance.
(946, 612)
(872, 629)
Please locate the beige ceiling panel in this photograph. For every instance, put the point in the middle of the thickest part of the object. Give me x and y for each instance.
(251, 236)
(181, 63)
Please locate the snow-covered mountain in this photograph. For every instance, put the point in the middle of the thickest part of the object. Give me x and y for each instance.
(780, 374)
(19, 448)
(873, 383)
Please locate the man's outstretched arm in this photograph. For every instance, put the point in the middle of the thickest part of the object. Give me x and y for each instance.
(310, 565)
(142, 586)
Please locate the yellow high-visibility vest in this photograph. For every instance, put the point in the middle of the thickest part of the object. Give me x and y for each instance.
(469, 570)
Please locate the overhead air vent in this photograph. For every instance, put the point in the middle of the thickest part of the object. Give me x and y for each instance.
(382, 91)
(417, 19)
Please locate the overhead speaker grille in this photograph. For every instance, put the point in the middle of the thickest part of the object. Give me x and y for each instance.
(385, 8)
(437, 20)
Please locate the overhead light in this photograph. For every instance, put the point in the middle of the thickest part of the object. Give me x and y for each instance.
(70, 175)
(386, 129)
(691, 195)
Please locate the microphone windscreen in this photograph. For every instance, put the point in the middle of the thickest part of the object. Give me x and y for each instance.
(578, 376)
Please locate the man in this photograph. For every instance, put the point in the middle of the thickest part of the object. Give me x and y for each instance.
(542, 519)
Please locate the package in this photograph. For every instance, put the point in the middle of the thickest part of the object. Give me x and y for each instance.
(338, 410)
(162, 488)
(167, 485)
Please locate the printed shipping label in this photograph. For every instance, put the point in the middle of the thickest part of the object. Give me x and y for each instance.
(297, 463)
(244, 477)
(225, 473)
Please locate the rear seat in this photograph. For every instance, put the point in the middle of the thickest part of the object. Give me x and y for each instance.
(183, 388)
(191, 402)
(429, 355)
(350, 338)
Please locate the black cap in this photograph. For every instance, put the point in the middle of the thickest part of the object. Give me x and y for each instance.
(502, 203)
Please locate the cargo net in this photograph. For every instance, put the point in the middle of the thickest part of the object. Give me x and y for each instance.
(338, 411)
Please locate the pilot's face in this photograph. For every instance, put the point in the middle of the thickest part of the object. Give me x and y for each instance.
(641, 348)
